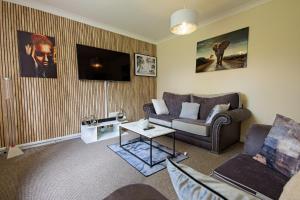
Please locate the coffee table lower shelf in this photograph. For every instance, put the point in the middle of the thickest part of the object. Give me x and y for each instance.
(151, 163)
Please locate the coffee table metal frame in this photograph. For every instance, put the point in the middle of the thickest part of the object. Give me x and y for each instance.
(151, 164)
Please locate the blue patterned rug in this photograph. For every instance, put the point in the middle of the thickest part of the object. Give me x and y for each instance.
(142, 150)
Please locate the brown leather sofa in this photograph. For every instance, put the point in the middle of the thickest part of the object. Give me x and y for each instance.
(248, 174)
(223, 131)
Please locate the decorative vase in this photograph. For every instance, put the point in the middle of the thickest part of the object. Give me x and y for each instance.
(121, 116)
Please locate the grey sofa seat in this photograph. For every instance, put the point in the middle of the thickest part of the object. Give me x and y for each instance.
(197, 127)
(248, 174)
(164, 120)
(252, 176)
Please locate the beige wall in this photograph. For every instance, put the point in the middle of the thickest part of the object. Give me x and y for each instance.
(271, 82)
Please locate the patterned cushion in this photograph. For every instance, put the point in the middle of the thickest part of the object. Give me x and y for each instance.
(193, 185)
(174, 102)
(282, 146)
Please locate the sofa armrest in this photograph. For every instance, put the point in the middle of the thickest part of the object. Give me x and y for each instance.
(223, 119)
(148, 109)
(255, 138)
(236, 115)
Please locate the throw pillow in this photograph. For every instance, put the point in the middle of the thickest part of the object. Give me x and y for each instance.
(189, 110)
(281, 149)
(291, 189)
(160, 106)
(216, 110)
(193, 185)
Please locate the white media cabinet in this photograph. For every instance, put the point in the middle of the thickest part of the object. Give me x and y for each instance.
(100, 131)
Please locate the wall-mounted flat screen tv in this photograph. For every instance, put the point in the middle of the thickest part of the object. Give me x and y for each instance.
(102, 64)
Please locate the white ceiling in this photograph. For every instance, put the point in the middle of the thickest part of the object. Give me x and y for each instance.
(142, 19)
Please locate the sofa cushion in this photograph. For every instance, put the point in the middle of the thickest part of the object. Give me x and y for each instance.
(193, 185)
(207, 103)
(252, 176)
(282, 146)
(197, 127)
(174, 102)
(189, 110)
(160, 106)
(164, 120)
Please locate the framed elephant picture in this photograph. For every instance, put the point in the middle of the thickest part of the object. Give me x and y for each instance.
(227, 51)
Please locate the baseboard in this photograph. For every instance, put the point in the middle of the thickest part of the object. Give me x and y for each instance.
(45, 142)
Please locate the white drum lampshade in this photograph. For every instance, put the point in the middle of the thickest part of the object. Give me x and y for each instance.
(184, 21)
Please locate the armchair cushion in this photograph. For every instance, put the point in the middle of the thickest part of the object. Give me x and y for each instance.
(245, 173)
(174, 102)
(207, 103)
(193, 126)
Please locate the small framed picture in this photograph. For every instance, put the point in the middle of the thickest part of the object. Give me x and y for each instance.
(144, 65)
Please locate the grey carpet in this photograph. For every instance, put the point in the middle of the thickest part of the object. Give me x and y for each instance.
(75, 170)
(142, 150)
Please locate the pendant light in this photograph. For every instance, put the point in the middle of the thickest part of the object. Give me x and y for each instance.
(184, 21)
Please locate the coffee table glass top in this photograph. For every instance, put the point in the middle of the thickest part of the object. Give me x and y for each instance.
(151, 133)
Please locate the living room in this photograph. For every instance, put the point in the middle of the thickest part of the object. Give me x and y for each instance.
(136, 99)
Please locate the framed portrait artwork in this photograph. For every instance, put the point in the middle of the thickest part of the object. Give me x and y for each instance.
(37, 55)
(144, 65)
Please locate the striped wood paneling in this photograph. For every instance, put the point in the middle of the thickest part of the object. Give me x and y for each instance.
(48, 108)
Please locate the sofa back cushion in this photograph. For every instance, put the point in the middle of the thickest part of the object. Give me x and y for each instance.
(282, 146)
(174, 102)
(208, 103)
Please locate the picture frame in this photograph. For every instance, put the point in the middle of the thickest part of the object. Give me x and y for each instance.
(223, 52)
(37, 55)
(145, 65)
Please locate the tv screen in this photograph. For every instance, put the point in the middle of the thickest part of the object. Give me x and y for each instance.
(102, 64)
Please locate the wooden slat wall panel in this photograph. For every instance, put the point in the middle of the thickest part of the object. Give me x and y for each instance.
(2, 138)
(48, 108)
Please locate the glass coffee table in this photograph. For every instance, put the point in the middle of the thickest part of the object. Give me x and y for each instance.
(149, 134)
